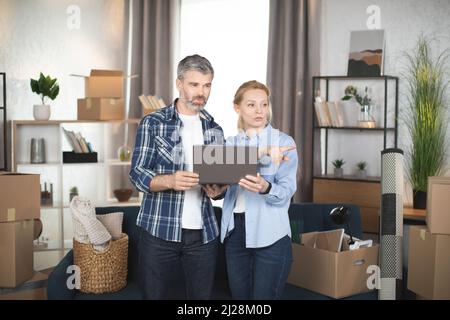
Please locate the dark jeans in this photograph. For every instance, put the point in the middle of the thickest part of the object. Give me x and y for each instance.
(256, 273)
(159, 263)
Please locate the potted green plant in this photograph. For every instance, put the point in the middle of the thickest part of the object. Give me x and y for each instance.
(426, 117)
(338, 170)
(73, 192)
(361, 173)
(46, 87)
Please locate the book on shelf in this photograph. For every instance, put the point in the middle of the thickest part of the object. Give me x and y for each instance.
(322, 113)
(337, 116)
(154, 102)
(145, 102)
(77, 142)
(82, 142)
(151, 103)
(318, 114)
(161, 102)
(329, 113)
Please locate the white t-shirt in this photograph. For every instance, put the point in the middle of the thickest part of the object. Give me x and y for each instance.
(240, 201)
(191, 134)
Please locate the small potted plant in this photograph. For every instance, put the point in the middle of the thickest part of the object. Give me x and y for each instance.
(46, 87)
(361, 173)
(338, 170)
(73, 192)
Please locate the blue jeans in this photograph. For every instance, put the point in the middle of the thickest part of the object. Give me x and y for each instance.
(256, 273)
(160, 262)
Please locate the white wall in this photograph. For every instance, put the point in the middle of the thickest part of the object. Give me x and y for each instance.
(35, 37)
(403, 21)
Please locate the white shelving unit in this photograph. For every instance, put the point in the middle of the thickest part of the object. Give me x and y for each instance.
(95, 181)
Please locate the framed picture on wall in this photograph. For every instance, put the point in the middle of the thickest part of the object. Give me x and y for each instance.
(2, 121)
(366, 53)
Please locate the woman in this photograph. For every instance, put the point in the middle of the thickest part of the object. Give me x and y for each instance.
(255, 223)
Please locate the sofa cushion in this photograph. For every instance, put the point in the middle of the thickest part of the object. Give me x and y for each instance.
(113, 223)
(309, 216)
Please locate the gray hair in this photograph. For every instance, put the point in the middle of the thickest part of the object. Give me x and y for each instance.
(196, 63)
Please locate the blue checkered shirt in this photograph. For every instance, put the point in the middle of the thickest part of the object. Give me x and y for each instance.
(158, 150)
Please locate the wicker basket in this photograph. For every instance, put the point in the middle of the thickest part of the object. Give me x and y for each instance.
(102, 272)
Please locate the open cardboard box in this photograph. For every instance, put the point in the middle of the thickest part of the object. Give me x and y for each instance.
(101, 109)
(322, 264)
(104, 83)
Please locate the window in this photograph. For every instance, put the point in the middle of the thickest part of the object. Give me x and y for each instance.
(233, 36)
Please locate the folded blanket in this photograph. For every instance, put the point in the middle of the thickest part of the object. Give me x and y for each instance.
(86, 227)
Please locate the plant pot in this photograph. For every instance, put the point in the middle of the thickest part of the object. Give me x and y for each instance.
(361, 174)
(123, 195)
(419, 199)
(41, 112)
(338, 172)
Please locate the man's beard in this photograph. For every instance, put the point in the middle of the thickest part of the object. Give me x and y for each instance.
(195, 106)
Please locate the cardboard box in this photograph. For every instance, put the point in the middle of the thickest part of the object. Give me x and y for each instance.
(438, 205)
(101, 109)
(33, 289)
(16, 252)
(20, 196)
(334, 274)
(103, 84)
(428, 263)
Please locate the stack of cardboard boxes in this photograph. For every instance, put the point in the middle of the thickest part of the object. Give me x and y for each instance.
(104, 96)
(19, 206)
(429, 246)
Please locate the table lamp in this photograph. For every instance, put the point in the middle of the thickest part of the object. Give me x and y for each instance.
(341, 215)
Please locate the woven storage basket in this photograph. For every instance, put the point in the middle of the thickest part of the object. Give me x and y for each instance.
(102, 272)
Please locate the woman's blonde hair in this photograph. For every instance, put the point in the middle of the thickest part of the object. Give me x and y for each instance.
(239, 95)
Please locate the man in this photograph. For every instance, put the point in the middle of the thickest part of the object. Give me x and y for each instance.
(176, 216)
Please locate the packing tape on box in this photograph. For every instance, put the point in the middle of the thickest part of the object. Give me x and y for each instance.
(11, 214)
(423, 233)
(88, 104)
(112, 102)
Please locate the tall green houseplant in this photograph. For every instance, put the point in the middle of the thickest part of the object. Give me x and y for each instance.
(426, 117)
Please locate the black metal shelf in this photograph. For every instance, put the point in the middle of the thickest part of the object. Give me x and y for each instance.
(355, 128)
(356, 77)
(347, 178)
(384, 128)
(3, 108)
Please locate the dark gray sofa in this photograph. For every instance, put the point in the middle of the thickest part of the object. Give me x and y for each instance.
(305, 217)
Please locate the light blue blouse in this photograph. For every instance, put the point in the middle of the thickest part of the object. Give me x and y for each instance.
(266, 215)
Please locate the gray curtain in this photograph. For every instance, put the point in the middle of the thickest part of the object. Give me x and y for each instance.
(293, 59)
(152, 50)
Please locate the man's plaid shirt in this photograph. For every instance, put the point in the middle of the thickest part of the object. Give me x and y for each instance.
(158, 150)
